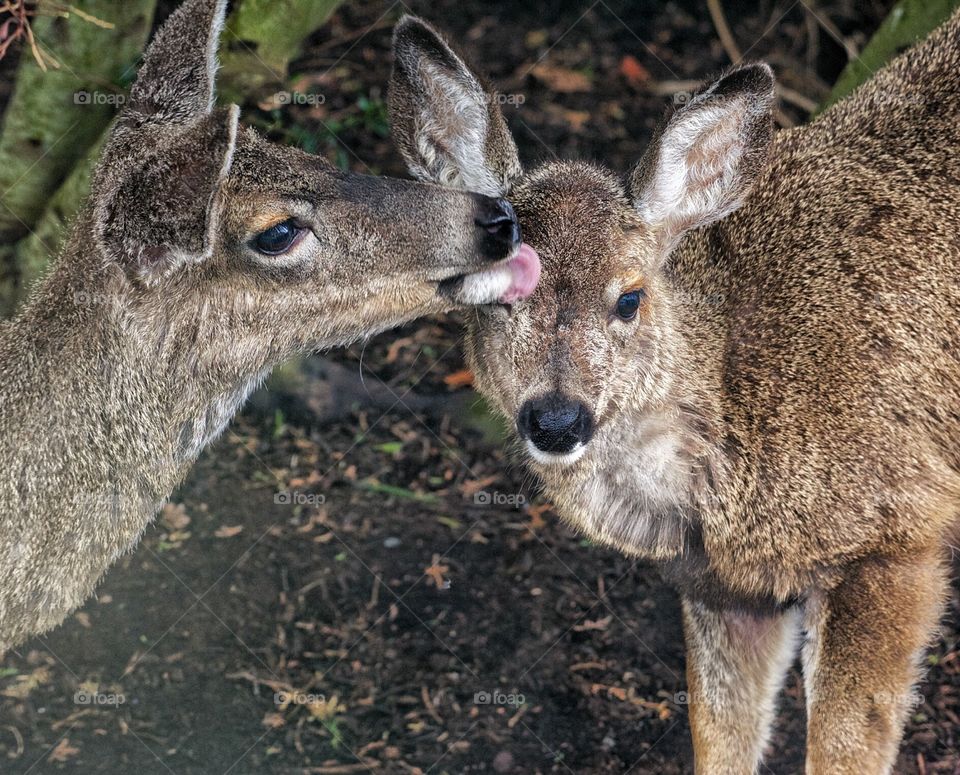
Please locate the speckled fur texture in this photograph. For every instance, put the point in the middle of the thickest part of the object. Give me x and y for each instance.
(779, 426)
(159, 317)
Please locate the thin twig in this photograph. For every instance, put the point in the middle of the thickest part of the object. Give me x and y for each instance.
(90, 18)
(723, 31)
(783, 120)
(334, 42)
(19, 27)
(790, 96)
(796, 99)
(15, 27)
(824, 21)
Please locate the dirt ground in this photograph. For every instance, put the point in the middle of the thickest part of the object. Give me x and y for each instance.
(358, 576)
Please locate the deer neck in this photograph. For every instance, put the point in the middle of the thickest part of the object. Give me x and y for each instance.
(133, 398)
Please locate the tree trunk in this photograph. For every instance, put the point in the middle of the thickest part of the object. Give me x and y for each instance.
(32, 254)
(262, 38)
(54, 117)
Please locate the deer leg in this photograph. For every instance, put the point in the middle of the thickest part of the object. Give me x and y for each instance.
(736, 664)
(865, 640)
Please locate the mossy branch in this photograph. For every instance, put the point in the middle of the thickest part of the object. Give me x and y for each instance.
(262, 38)
(908, 22)
(55, 115)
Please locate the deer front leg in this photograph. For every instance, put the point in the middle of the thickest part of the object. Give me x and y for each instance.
(736, 664)
(865, 640)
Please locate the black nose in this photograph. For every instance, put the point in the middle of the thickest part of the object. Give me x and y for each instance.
(499, 230)
(555, 423)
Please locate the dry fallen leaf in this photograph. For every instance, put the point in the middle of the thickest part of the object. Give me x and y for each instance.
(324, 710)
(536, 38)
(462, 378)
(633, 71)
(473, 486)
(575, 119)
(394, 352)
(63, 751)
(536, 512)
(273, 720)
(174, 516)
(27, 683)
(596, 624)
(617, 691)
(228, 531)
(536, 519)
(561, 79)
(578, 666)
(435, 573)
(303, 482)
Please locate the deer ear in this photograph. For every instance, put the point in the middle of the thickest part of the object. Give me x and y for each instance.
(447, 125)
(165, 213)
(157, 184)
(702, 164)
(176, 82)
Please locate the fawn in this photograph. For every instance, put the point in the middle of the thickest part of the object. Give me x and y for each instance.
(743, 363)
(204, 257)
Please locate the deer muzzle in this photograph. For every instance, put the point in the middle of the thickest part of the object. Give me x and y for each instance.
(516, 272)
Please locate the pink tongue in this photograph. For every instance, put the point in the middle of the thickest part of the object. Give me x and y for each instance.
(525, 270)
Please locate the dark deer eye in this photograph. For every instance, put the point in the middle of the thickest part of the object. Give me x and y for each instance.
(629, 303)
(277, 239)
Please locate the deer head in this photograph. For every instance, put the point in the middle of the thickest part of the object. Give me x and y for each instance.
(194, 215)
(598, 334)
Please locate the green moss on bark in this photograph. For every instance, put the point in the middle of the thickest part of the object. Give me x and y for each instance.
(262, 38)
(908, 22)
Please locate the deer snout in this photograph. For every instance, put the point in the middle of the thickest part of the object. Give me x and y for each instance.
(498, 226)
(555, 427)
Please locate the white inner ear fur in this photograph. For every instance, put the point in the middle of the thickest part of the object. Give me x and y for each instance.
(213, 44)
(452, 132)
(695, 179)
(216, 201)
